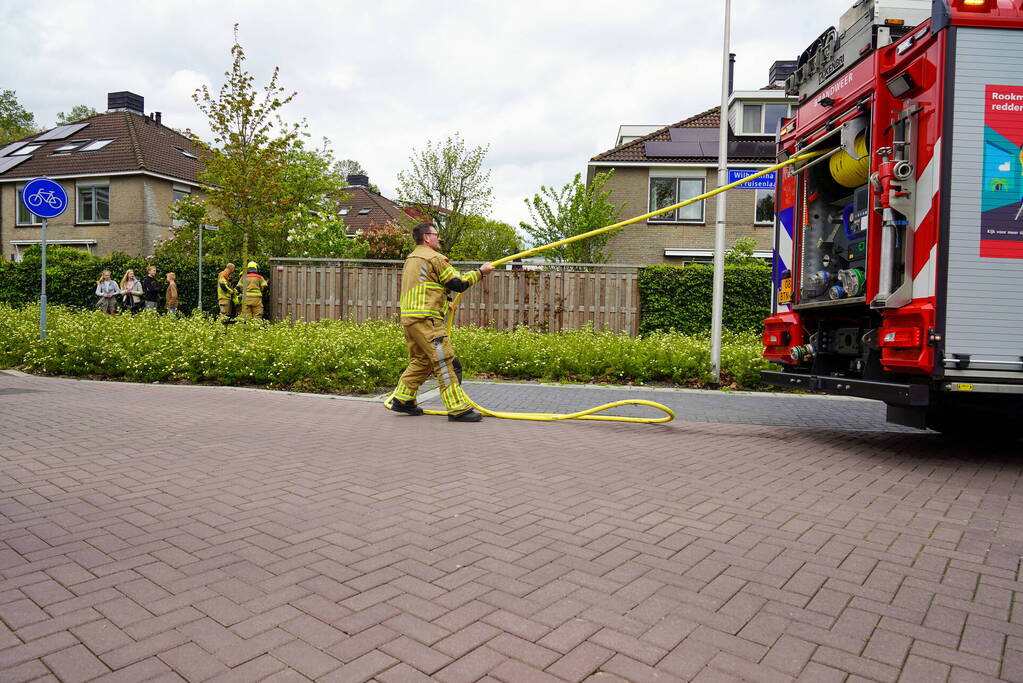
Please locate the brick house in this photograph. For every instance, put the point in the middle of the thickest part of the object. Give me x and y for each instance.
(121, 170)
(679, 161)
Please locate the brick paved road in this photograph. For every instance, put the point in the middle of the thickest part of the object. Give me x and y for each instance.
(144, 537)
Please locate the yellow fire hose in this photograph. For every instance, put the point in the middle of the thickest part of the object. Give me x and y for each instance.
(589, 414)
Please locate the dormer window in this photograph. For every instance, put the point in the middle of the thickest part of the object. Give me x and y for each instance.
(762, 118)
(344, 211)
(185, 153)
(363, 212)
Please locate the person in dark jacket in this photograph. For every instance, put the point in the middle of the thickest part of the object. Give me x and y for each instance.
(150, 289)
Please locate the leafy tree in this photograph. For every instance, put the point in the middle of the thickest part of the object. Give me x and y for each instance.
(15, 121)
(575, 209)
(187, 214)
(245, 166)
(77, 113)
(446, 182)
(485, 240)
(347, 167)
(391, 240)
(741, 253)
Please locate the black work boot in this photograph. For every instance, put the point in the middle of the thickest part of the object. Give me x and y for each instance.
(468, 416)
(407, 407)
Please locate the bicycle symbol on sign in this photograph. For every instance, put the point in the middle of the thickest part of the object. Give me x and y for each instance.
(48, 196)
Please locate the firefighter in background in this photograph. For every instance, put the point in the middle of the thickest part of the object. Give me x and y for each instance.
(425, 282)
(252, 286)
(225, 293)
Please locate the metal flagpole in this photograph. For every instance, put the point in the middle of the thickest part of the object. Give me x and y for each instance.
(717, 308)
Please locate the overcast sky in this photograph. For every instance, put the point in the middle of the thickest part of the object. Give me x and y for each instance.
(544, 84)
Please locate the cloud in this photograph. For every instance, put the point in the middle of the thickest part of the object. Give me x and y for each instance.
(544, 84)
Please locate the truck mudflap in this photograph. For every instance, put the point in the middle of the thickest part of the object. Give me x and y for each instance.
(917, 395)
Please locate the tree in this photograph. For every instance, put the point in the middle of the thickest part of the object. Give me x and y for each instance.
(445, 182)
(77, 113)
(575, 209)
(485, 240)
(391, 240)
(15, 121)
(325, 238)
(245, 165)
(347, 167)
(741, 253)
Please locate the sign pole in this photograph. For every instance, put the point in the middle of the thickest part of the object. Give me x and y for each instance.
(42, 297)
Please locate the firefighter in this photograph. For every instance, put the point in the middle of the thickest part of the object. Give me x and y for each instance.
(225, 293)
(425, 282)
(252, 286)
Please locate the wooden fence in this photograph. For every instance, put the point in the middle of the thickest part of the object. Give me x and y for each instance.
(551, 298)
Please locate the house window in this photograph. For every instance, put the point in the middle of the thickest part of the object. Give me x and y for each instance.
(764, 211)
(96, 145)
(70, 147)
(363, 212)
(25, 217)
(180, 193)
(94, 202)
(344, 212)
(668, 191)
(184, 153)
(762, 119)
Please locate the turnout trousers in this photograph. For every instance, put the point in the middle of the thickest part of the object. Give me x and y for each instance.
(430, 353)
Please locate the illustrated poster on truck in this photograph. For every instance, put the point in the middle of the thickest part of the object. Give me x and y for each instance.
(1001, 218)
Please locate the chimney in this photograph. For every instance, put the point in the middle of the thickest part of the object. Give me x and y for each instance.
(159, 117)
(731, 71)
(362, 180)
(781, 70)
(125, 101)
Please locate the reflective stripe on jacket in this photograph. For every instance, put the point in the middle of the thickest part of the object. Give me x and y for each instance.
(425, 280)
(252, 285)
(224, 290)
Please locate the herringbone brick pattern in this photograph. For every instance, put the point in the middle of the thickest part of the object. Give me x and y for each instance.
(192, 533)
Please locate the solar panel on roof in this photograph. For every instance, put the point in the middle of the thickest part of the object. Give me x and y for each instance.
(12, 147)
(672, 149)
(10, 162)
(694, 134)
(61, 132)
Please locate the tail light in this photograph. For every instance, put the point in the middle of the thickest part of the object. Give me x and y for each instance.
(902, 337)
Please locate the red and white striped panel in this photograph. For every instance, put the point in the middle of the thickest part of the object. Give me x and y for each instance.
(925, 236)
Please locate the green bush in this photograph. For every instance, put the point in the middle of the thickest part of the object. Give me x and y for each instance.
(679, 298)
(71, 276)
(346, 357)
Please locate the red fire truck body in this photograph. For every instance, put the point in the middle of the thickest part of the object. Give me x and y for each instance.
(899, 238)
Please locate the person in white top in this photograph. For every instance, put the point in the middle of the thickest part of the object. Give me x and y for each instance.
(107, 291)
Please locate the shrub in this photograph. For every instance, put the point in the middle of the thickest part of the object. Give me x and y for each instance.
(346, 357)
(71, 276)
(679, 298)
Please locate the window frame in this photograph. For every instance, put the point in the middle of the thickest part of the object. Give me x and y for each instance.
(675, 220)
(763, 114)
(92, 185)
(756, 204)
(19, 202)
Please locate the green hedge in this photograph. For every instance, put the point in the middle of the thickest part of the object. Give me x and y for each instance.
(347, 357)
(679, 298)
(71, 276)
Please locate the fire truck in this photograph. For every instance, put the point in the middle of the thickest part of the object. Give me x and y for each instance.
(898, 270)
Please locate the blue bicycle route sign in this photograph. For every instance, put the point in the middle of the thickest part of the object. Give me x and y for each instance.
(44, 197)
